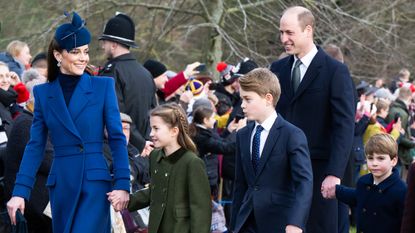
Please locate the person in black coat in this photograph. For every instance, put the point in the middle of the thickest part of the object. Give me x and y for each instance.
(19, 136)
(210, 144)
(318, 97)
(134, 85)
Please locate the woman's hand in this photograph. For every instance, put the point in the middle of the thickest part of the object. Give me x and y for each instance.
(119, 199)
(13, 205)
(14, 78)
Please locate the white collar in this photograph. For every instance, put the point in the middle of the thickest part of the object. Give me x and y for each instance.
(267, 124)
(306, 60)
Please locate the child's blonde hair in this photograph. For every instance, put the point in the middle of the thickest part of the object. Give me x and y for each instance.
(382, 144)
(15, 47)
(261, 81)
(173, 115)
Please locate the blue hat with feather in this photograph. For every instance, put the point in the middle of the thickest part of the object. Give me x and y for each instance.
(74, 34)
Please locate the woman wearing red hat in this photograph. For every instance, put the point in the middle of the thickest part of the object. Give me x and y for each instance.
(72, 108)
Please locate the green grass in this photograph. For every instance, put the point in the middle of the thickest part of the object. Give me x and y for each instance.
(352, 230)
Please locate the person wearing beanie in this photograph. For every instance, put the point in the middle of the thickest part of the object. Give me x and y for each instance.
(72, 109)
(134, 84)
(166, 86)
(32, 74)
(40, 63)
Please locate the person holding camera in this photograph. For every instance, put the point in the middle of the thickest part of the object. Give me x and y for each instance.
(165, 86)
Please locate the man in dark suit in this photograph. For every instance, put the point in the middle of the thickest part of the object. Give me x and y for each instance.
(136, 91)
(317, 96)
(273, 182)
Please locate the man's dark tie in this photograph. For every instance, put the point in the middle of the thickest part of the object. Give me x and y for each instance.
(255, 147)
(296, 75)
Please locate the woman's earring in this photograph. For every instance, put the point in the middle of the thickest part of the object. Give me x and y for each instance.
(59, 64)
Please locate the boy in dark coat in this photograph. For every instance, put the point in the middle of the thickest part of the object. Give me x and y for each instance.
(379, 196)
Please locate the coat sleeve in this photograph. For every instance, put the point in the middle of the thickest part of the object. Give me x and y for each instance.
(173, 84)
(302, 176)
(218, 145)
(346, 195)
(342, 103)
(139, 199)
(116, 139)
(199, 197)
(240, 186)
(34, 152)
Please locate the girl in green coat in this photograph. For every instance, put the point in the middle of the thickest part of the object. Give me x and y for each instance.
(179, 193)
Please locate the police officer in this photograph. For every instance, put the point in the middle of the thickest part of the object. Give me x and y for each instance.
(133, 83)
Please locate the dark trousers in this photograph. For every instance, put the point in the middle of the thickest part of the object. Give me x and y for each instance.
(324, 213)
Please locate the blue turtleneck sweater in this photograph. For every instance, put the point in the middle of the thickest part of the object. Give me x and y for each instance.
(68, 84)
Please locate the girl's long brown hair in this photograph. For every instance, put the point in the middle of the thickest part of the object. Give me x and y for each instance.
(173, 115)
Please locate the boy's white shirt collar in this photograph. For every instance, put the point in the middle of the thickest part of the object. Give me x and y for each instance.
(267, 124)
(308, 58)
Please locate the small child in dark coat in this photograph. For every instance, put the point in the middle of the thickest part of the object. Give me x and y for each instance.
(379, 196)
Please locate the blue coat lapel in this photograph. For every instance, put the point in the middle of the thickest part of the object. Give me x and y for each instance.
(58, 106)
(80, 97)
(270, 143)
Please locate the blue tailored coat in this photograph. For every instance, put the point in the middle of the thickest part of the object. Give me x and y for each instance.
(280, 193)
(379, 208)
(79, 178)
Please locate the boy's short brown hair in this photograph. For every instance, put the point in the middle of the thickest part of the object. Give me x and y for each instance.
(382, 104)
(261, 81)
(382, 144)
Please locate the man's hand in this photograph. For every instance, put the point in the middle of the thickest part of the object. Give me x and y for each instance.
(329, 186)
(292, 229)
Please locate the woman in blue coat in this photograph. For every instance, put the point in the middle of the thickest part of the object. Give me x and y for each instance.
(73, 108)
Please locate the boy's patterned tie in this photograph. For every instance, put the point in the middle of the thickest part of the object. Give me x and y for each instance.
(255, 147)
(296, 75)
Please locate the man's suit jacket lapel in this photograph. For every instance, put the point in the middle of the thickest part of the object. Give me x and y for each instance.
(245, 151)
(312, 72)
(58, 106)
(270, 143)
(81, 97)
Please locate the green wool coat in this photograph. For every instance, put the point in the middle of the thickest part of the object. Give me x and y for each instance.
(178, 196)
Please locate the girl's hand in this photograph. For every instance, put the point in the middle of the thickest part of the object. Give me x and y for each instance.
(119, 199)
(13, 205)
(14, 78)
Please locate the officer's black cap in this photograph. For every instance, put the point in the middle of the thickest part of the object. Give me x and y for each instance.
(120, 29)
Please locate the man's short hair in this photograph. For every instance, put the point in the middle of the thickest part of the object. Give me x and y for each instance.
(382, 144)
(381, 104)
(305, 17)
(261, 81)
(404, 93)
